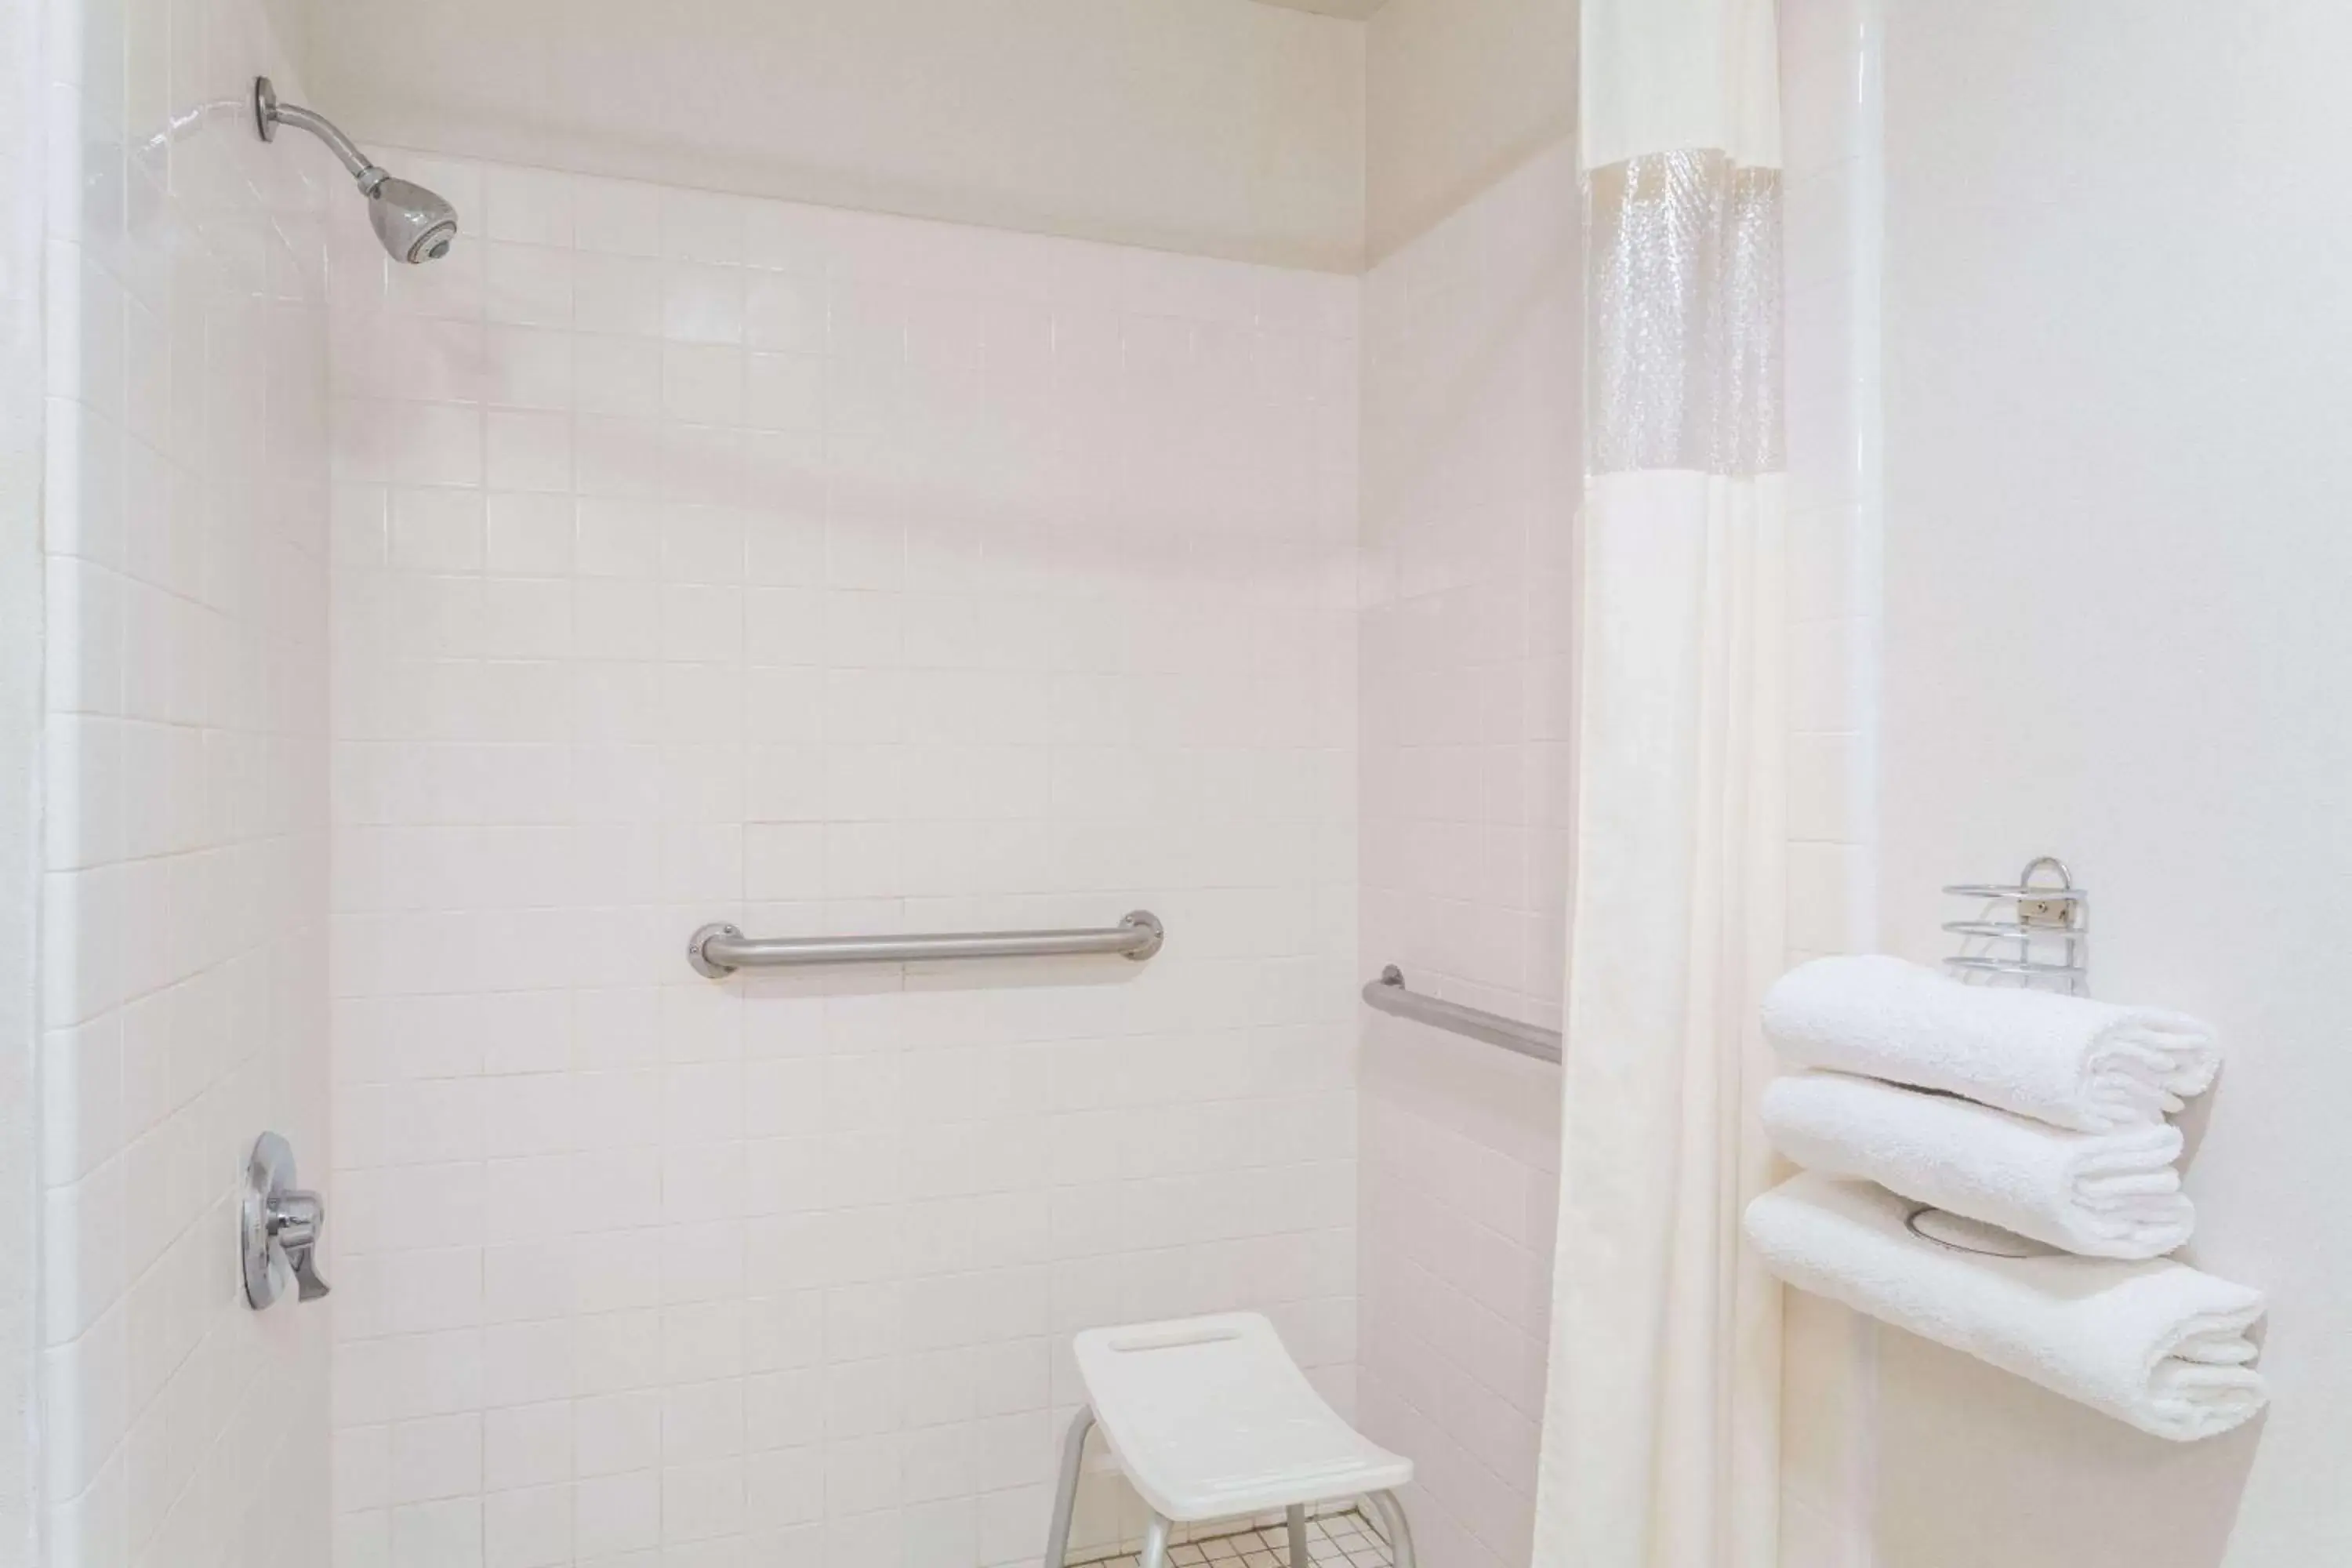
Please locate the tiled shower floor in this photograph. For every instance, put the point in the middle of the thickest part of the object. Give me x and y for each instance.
(1335, 1541)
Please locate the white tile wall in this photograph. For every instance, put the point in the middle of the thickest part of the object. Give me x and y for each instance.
(1829, 92)
(183, 949)
(1473, 467)
(700, 558)
(1830, 88)
(25, 182)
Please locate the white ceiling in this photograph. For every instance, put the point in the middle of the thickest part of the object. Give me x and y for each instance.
(1359, 9)
(1219, 129)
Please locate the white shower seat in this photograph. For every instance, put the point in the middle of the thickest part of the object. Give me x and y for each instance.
(1210, 1418)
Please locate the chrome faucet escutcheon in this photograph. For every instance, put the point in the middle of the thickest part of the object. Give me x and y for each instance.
(279, 1221)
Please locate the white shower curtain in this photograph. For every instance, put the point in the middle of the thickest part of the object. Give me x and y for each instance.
(1662, 1414)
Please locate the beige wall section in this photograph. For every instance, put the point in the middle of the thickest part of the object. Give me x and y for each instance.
(2116, 323)
(1458, 93)
(1219, 127)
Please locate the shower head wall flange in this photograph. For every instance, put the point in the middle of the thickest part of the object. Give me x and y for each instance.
(414, 224)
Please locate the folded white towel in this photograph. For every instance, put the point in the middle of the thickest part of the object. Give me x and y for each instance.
(2157, 1344)
(2065, 1060)
(2103, 1194)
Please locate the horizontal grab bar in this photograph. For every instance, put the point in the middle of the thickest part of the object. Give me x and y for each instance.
(720, 950)
(1388, 994)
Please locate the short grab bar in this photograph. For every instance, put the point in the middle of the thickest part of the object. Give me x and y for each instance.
(1388, 994)
(718, 950)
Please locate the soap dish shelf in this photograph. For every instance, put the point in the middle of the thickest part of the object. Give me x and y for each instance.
(2034, 930)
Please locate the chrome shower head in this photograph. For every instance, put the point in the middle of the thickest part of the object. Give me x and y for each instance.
(414, 224)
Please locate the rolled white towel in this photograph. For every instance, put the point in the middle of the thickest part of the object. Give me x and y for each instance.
(2103, 1194)
(2157, 1344)
(2066, 1060)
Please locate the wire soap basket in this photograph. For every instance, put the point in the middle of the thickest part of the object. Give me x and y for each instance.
(2033, 932)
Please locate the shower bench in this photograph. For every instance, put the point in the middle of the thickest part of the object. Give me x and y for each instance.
(1210, 1418)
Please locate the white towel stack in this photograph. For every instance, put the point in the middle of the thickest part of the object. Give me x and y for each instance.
(2041, 1114)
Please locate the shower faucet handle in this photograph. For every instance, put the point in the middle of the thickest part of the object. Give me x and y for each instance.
(280, 1219)
(295, 1221)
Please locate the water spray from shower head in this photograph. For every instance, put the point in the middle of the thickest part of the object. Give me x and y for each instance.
(414, 224)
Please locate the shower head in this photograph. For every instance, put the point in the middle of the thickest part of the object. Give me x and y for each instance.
(415, 224)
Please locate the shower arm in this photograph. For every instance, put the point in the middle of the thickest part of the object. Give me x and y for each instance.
(269, 114)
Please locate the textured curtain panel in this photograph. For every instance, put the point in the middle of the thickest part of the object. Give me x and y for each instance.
(1662, 1417)
(1683, 315)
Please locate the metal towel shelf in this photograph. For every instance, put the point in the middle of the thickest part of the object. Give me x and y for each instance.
(1388, 994)
(720, 950)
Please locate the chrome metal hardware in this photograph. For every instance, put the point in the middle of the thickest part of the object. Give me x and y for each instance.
(720, 950)
(2034, 930)
(1388, 994)
(279, 1223)
(1958, 1233)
